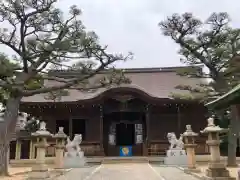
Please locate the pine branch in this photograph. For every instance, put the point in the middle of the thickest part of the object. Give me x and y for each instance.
(212, 43)
(75, 81)
(44, 39)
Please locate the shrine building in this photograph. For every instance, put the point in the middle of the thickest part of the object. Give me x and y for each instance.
(137, 115)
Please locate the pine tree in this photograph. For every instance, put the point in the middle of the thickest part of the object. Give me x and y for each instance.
(213, 44)
(42, 38)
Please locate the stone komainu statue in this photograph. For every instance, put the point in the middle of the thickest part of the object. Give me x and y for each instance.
(174, 142)
(73, 147)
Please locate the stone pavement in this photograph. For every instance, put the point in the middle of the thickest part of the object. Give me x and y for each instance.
(138, 171)
(172, 173)
(78, 173)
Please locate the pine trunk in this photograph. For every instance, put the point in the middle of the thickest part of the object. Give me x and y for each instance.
(232, 138)
(4, 160)
(6, 130)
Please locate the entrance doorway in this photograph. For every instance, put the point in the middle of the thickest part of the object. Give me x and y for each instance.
(125, 134)
(122, 129)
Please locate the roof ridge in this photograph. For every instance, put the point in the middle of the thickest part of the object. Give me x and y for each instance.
(139, 70)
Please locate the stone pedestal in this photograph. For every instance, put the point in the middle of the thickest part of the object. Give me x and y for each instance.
(74, 162)
(176, 157)
(59, 147)
(40, 170)
(216, 170)
(74, 157)
(189, 143)
(191, 159)
(59, 151)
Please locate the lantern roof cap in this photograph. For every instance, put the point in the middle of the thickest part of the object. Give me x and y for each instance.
(60, 134)
(42, 131)
(211, 127)
(189, 132)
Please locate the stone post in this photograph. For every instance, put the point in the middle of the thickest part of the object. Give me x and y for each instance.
(216, 169)
(59, 147)
(31, 149)
(18, 150)
(190, 145)
(40, 170)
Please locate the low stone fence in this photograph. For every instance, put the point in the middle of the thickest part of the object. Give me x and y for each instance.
(155, 159)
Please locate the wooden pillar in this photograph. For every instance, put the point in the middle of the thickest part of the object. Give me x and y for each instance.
(179, 119)
(101, 129)
(147, 121)
(31, 149)
(146, 142)
(18, 150)
(70, 128)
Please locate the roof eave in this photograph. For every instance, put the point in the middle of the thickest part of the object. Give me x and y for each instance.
(225, 100)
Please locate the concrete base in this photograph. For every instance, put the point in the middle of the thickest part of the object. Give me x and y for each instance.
(74, 162)
(115, 160)
(236, 165)
(39, 172)
(217, 171)
(218, 178)
(221, 172)
(38, 175)
(99, 159)
(176, 157)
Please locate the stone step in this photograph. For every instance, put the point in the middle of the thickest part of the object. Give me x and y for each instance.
(115, 160)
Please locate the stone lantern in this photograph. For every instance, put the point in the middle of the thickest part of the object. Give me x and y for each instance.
(216, 169)
(59, 147)
(189, 143)
(40, 171)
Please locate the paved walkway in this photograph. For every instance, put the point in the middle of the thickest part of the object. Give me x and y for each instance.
(140, 171)
(79, 173)
(172, 173)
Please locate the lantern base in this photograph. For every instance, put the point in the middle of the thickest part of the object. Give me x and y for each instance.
(218, 173)
(218, 178)
(39, 172)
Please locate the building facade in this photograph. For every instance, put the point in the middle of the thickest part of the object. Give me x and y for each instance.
(138, 115)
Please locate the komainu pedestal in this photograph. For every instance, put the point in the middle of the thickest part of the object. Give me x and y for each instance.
(175, 155)
(74, 157)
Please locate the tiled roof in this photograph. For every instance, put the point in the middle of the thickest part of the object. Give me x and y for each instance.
(155, 82)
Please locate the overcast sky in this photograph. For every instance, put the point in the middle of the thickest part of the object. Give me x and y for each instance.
(132, 25)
